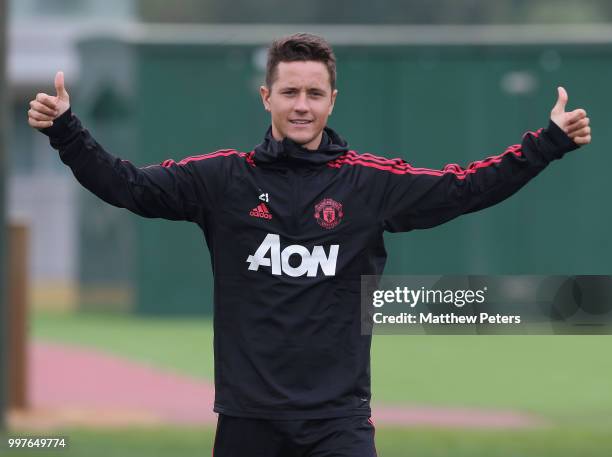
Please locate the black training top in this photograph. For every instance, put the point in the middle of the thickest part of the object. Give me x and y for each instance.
(290, 233)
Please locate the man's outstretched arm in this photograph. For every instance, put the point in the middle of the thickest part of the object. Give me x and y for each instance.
(167, 191)
(415, 198)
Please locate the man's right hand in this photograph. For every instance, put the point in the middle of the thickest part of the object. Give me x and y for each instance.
(44, 109)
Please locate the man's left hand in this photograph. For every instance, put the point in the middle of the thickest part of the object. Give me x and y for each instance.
(574, 123)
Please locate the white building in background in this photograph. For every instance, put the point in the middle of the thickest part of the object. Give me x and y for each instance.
(41, 190)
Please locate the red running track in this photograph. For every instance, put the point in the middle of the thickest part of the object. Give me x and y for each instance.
(71, 378)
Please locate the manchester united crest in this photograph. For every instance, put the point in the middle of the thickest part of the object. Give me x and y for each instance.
(328, 213)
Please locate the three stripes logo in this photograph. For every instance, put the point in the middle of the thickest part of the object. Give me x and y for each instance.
(262, 211)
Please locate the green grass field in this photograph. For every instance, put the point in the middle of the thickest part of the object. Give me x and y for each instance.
(564, 379)
(390, 442)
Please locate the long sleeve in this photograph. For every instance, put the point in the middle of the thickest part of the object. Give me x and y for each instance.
(415, 198)
(169, 190)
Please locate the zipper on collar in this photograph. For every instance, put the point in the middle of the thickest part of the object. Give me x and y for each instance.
(296, 182)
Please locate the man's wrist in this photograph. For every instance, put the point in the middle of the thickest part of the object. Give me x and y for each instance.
(561, 139)
(61, 127)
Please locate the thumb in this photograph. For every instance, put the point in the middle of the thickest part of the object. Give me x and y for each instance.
(59, 86)
(561, 101)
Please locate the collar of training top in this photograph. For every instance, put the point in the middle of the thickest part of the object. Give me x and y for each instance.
(276, 152)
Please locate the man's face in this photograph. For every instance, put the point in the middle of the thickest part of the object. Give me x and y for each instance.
(300, 101)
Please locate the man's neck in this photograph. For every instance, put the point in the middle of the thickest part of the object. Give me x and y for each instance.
(313, 145)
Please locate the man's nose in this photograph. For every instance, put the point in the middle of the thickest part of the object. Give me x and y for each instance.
(301, 103)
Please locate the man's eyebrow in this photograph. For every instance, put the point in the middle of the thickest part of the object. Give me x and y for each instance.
(310, 89)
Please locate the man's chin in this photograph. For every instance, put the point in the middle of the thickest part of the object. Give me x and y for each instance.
(299, 139)
(302, 140)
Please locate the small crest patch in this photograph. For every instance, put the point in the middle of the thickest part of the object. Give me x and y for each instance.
(328, 213)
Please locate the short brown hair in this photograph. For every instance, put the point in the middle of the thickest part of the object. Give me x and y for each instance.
(300, 47)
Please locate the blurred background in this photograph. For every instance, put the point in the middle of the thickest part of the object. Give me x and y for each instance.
(109, 346)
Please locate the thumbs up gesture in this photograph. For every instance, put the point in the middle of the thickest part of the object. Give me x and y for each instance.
(574, 123)
(44, 109)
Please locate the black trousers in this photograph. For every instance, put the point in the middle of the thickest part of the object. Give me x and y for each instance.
(351, 436)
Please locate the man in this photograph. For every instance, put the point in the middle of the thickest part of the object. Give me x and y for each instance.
(291, 227)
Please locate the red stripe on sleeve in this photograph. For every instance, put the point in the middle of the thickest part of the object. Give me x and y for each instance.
(221, 153)
(399, 166)
(211, 155)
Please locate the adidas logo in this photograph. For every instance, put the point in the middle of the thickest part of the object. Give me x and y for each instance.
(261, 211)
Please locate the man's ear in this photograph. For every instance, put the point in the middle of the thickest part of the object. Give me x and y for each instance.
(265, 97)
(333, 100)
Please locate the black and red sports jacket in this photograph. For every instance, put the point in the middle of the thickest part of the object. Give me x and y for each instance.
(290, 233)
